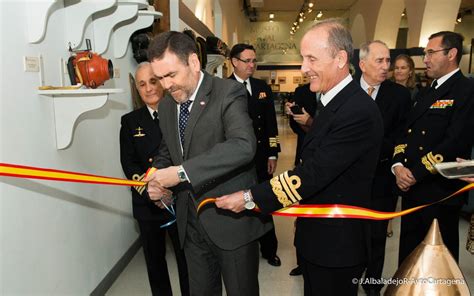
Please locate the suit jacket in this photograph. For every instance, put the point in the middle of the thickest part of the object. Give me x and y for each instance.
(394, 103)
(439, 128)
(339, 157)
(261, 108)
(140, 138)
(218, 153)
(305, 98)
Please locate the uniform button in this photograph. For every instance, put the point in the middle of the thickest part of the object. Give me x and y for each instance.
(150, 159)
(420, 148)
(259, 117)
(259, 142)
(423, 132)
(409, 130)
(405, 160)
(259, 128)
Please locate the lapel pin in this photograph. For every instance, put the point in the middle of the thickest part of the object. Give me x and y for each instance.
(202, 103)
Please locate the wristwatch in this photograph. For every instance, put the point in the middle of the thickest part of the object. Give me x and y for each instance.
(249, 204)
(182, 174)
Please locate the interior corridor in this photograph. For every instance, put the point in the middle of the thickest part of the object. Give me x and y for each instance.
(276, 280)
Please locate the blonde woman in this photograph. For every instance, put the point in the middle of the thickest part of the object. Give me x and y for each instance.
(404, 73)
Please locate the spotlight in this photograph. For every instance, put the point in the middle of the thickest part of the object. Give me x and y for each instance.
(310, 4)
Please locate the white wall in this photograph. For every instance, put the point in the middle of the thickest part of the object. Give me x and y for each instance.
(57, 238)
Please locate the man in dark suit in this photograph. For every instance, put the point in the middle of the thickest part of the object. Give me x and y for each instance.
(208, 151)
(394, 104)
(339, 158)
(140, 137)
(300, 123)
(308, 101)
(261, 109)
(438, 129)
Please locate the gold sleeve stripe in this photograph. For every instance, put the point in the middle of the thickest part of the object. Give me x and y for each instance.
(293, 182)
(286, 188)
(137, 177)
(399, 149)
(429, 160)
(277, 190)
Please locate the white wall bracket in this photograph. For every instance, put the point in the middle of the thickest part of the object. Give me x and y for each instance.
(77, 14)
(69, 105)
(37, 14)
(106, 20)
(122, 34)
(214, 61)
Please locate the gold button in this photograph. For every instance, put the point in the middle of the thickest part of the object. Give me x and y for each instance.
(409, 130)
(423, 132)
(150, 159)
(421, 148)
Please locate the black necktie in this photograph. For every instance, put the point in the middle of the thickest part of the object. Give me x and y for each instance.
(319, 104)
(183, 119)
(434, 84)
(155, 117)
(248, 93)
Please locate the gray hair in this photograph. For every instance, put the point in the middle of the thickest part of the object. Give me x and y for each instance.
(339, 37)
(141, 65)
(365, 48)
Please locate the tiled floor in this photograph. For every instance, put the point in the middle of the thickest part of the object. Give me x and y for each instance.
(275, 280)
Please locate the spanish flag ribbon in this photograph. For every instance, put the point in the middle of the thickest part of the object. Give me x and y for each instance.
(20, 171)
(343, 211)
(306, 211)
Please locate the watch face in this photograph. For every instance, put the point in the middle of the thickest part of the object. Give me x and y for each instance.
(250, 205)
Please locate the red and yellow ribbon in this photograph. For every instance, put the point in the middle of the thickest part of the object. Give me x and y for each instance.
(19, 171)
(306, 211)
(343, 211)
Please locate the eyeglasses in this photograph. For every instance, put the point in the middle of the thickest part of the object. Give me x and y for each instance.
(430, 52)
(248, 61)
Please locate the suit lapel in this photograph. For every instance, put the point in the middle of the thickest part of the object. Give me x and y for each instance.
(326, 115)
(147, 123)
(382, 97)
(199, 104)
(429, 97)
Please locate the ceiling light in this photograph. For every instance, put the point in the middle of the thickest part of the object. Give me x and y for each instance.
(300, 20)
(271, 16)
(309, 10)
(310, 4)
(301, 13)
(320, 14)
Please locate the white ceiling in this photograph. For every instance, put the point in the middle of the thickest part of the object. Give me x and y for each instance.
(287, 10)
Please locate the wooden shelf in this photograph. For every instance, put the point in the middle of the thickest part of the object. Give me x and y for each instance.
(70, 104)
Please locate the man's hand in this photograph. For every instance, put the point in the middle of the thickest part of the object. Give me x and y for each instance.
(404, 177)
(467, 179)
(165, 200)
(155, 189)
(167, 177)
(233, 202)
(288, 105)
(271, 166)
(303, 119)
